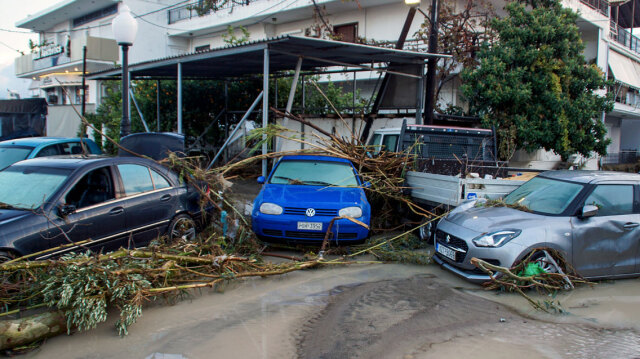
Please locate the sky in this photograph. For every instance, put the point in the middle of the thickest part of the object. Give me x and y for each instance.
(10, 42)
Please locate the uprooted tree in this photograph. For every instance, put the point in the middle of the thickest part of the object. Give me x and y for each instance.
(534, 84)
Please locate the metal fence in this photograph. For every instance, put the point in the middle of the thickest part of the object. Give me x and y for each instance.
(199, 8)
(599, 5)
(624, 37)
(621, 157)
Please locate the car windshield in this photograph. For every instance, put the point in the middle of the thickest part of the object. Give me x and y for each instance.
(314, 173)
(12, 154)
(29, 187)
(544, 195)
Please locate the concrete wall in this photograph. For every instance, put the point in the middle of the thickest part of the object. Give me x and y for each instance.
(63, 121)
(630, 135)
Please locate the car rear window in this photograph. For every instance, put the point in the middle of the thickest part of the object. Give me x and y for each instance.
(314, 173)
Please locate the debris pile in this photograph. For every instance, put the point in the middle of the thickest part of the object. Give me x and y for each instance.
(542, 270)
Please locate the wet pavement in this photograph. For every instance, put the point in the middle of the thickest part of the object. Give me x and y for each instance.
(369, 311)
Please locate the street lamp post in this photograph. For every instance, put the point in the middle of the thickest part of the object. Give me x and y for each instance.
(125, 28)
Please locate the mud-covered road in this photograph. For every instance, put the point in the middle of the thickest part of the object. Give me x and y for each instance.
(370, 311)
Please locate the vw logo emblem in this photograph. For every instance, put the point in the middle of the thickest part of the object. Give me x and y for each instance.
(448, 239)
(310, 212)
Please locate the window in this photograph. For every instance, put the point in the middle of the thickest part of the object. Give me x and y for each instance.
(314, 173)
(159, 182)
(71, 148)
(390, 143)
(545, 195)
(135, 179)
(109, 10)
(346, 32)
(612, 200)
(94, 188)
(41, 183)
(51, 150)
(203, 48)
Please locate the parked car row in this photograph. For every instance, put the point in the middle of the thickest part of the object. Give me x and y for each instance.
(592, 218)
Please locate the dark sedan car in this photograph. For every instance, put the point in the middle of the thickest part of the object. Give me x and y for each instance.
(116, 202)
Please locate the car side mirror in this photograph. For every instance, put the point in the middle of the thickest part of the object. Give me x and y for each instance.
(66, 210)
(589, 210)
(366, 184)
(261, 180)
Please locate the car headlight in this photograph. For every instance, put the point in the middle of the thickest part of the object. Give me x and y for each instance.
(496, 239)
(353, 212)
(270, 208)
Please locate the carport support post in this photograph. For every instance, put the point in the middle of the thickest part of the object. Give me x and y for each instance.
(420, 96)
(292, 93)
(265, 108)
(158, 105)
(179, 98)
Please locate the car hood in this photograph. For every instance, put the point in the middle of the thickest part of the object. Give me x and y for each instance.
(488, 219)
(294, 195)
(8, 215)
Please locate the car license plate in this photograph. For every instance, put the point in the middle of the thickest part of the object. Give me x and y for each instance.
(310, 226)
(446, 251)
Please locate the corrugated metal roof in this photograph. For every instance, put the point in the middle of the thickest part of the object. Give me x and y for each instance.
(247, 58)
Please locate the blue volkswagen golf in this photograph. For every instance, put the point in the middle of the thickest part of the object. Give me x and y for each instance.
(304, 193)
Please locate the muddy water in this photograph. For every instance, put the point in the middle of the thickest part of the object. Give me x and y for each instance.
(252, 319)
(370, 311)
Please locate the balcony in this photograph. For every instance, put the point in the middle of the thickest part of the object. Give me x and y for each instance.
(624, 37)
(101, 53)
(600, 6)
(200, 8)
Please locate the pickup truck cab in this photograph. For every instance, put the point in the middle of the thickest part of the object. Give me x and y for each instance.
(303, 194)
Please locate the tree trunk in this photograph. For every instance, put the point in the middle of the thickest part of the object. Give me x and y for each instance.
(20, 332)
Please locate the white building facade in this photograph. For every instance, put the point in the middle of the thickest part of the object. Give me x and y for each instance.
(172, 27)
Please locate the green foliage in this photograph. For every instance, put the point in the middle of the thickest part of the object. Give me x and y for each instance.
(231, 38)
(314, 102)
(84, 291)
(535, 86)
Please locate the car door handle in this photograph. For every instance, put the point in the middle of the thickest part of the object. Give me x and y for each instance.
(631, 225)
(116, 210)
(165, 198)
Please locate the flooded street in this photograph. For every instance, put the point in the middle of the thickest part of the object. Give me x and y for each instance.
(369, 311)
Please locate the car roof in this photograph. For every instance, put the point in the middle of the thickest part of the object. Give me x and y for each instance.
(37, 141)
(590, 176)
(314, 158)
(73, 162)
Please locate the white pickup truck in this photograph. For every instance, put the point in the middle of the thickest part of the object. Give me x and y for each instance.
(453, 164)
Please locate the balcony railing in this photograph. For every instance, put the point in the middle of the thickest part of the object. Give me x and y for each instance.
(100, 49)
(200, 8)
(600, 6)
(621, 157)
(624, 37)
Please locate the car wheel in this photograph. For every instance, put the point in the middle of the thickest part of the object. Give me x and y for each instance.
(182, 227)
(6, 256)
(427, 232)
(541, 259)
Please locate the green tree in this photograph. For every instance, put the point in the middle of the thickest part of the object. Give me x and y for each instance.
(534, 85)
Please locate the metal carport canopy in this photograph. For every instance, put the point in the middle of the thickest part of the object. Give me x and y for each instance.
(247, 59)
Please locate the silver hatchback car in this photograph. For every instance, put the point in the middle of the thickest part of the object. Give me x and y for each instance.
(591, 217)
